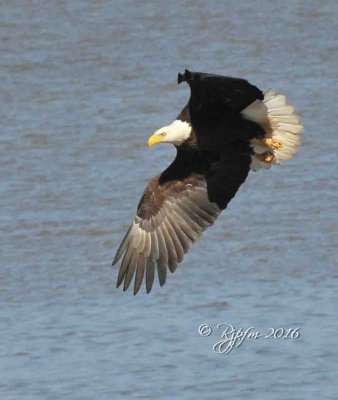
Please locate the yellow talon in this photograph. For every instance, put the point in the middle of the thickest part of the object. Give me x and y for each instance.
(269, 158)
(266, 157)
(271, 143)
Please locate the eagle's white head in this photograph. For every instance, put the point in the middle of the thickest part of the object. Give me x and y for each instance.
(175, 133)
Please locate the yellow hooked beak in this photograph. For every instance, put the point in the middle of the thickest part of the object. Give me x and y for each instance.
(157, 137)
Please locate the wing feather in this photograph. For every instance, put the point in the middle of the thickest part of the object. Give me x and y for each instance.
(150, 274)
(125, 264)
(163, 252)
(154, 253)
(173, 254)
(175, 238)
(139, 273)
(147, 245)
(161, 272)
(123, 246)
(181, 236)
(131, 269)
(189, 231)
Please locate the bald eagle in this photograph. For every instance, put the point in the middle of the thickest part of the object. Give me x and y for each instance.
(228, 128)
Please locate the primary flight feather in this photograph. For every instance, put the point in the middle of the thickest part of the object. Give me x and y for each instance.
(227, 128)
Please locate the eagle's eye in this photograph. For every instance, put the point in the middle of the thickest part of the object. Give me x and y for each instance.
(162, 134)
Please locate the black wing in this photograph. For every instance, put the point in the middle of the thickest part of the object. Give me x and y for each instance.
(214, 109)
(220, 92)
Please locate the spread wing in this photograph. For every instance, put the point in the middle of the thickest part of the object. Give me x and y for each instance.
(170, 219)
(175, 209)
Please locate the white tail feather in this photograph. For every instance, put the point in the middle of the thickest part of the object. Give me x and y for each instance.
(282, 129)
